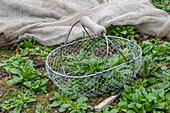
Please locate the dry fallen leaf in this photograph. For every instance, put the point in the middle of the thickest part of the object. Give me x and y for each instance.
(16, 51)
(145, 36)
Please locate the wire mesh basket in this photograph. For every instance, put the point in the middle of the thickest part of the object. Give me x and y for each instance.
(95, 65)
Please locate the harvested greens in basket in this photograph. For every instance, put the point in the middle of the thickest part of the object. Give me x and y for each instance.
(83, 64)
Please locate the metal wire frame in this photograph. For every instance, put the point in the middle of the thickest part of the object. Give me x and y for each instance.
(56, 76)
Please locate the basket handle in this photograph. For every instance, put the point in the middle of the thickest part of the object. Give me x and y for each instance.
(95, 28)
(87, 22)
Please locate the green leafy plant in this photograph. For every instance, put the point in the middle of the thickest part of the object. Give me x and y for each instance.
(61, 98)
(84, 64)
(160, 52)
(30, 47)
(7, 64)
(41, 109)
(23, 72)
(138, 99)
(155, 60)
(123, 31)
(106, 108)
(161, 4)
(41, 51)
(19, 101)
(24, 52)
(163, 75)
(26, 43)
(66, 101)
(3, 55)
(38, 86)
(76, 107)
(149, 67)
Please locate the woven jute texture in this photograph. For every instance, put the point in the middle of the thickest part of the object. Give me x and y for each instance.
(50, 20)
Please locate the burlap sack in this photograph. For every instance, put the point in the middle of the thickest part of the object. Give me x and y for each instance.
(50, 20)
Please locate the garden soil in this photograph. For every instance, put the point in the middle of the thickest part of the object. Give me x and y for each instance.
(50, 20)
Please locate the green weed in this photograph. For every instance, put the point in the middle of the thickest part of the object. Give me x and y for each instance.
(161, 4)
(41, 109)
(123, 31)
(19, 101)
(23, 72)
(139, 99)
(66, 102)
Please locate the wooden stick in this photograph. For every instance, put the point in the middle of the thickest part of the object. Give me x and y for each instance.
(107, 101)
